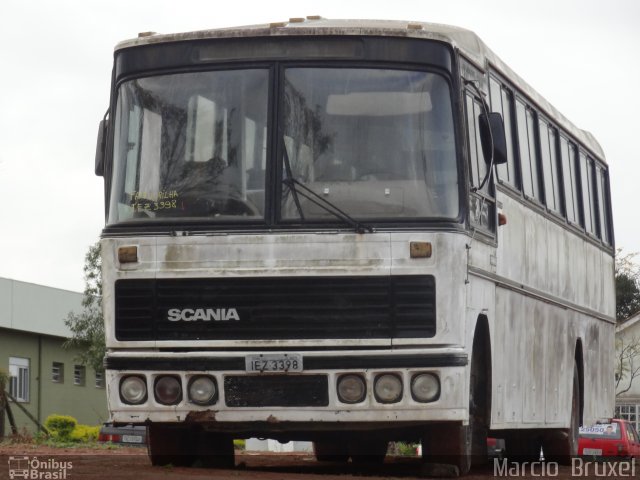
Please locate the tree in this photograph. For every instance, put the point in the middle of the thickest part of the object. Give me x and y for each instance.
(627, 286)
(87, 327)
(627, 363)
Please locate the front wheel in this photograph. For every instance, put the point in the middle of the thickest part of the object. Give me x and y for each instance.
(170, 445)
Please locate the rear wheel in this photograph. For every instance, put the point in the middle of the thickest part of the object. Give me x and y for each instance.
(561, 445)
(522, 446)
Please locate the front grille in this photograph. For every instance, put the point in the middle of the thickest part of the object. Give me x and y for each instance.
(276, 391)
(276, 308)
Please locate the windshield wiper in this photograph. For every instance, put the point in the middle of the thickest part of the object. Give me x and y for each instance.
(298, 188)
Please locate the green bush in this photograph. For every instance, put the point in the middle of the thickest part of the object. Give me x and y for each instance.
(60, 426)
(65, 428)
(85, 433)
(239, 444)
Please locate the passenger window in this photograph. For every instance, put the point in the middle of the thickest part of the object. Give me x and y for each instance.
(527, 150)
(570, 180)
(548, 138)
(603, 207)
(588, 204)
(502, 102)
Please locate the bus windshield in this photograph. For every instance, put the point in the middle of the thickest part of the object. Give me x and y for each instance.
(377, 143)
(191, 146)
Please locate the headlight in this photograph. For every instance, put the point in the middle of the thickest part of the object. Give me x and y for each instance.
(351, 388)
(133, 390)
(168, 390)
(202, 390)
(388, 388)
(425, 387)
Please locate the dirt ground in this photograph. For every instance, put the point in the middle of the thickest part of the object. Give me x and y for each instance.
(131, 463)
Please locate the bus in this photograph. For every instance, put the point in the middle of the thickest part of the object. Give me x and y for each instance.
(350, 232)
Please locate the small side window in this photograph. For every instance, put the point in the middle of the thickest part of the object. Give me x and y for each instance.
(586, 185)
(79, 375)
(57, 372)
(570, 180)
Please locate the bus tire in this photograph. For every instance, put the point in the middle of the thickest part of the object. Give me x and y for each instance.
(334, 450)
(562, 445)
(170, 445)
(451, 449)
(215, 450)
(372, 451)
(522, 446)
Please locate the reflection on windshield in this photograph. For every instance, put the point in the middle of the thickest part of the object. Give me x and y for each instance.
(376, 143)
(191, 146)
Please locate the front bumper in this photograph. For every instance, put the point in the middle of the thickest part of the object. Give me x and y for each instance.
(277, 412)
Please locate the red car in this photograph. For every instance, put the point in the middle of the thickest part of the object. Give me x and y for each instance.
(613, 438)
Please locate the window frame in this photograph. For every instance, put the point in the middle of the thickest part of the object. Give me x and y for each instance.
(79, 375)
(57, 377)
(20, 379)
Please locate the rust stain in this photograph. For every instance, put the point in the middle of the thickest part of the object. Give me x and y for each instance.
(205, 416)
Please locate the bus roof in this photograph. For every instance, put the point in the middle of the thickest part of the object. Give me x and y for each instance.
(463, 40)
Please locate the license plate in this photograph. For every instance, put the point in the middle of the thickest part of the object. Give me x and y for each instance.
(131, 439)
(284, 362)
(592, 451)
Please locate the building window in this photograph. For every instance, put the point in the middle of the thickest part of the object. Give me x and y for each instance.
(630, 413)
(79, 375)
(19, 378)
(99, 379)
(57, 372)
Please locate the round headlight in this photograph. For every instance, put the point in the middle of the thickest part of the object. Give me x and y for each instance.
(202, 390)
(133, 390)
(425, 387)
(351, 388)
(168, 390)
(388, 388)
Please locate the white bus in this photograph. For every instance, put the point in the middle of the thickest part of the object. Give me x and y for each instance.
(350, 232)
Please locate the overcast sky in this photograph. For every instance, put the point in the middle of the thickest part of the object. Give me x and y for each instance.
(55, 67)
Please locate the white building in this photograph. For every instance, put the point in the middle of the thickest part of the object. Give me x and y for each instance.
(628, 338)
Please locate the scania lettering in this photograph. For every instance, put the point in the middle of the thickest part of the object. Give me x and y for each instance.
(350, 232)
(208, 314)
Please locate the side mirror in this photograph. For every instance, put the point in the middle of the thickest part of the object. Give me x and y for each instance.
(100, 150)
(492, 132)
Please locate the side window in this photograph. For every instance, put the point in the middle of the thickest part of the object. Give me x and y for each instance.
(570, 183)
(527, 150)
(502, 102)
(603, 205)
(548, 155)
(478, 167)
(481, 203)
(588, 204)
